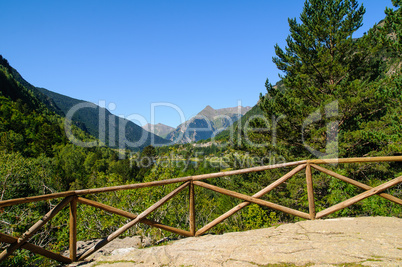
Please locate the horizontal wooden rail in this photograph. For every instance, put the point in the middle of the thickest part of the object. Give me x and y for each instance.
(10, 202)
(355, 160)
(16, 201)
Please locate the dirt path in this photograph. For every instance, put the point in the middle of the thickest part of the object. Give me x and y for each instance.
(365, 241)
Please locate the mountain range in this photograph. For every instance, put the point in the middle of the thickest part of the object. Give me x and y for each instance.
(206, 124)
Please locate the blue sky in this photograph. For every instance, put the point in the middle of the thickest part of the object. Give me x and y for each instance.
(131, 54)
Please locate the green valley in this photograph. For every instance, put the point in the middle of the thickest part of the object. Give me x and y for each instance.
(338, 97)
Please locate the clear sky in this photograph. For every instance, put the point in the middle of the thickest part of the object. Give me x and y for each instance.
(131, 54)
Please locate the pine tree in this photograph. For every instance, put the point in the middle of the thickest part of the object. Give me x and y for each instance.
(319, 49)
(334, 83)
(391, 33)
(317, 64)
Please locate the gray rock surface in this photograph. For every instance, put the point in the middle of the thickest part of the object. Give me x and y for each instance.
(364, 241)
(117, 246)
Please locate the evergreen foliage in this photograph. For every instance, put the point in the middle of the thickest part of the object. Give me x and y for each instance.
(329, 74)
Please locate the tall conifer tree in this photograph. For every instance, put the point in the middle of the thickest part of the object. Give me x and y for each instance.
(319, 49)
(317, 64)
(333, 83)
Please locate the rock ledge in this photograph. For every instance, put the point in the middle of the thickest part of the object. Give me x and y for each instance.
(364, 241)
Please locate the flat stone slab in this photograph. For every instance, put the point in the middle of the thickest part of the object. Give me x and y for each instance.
(364, 241)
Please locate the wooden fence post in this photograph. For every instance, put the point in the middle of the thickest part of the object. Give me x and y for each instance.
(73, 229)
(192, 209)
(310, 192)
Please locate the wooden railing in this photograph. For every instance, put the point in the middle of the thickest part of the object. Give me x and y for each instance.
(71, 198)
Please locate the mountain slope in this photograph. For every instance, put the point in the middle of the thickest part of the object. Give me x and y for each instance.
(115, 131)
(244, 120)
(159, 129)
(206, 124)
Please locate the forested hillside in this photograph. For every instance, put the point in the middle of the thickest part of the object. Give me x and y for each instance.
(338, 97)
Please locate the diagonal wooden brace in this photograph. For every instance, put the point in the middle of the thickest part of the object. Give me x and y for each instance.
(35, 249)
(359, 197)
(132, 216)
(245, 204)
(356, 183)
(253, 200)
(24, 238)
(141, 216)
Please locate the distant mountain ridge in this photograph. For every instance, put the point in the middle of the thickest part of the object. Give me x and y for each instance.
(159, 129)
(206, 124)
(211, 113)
